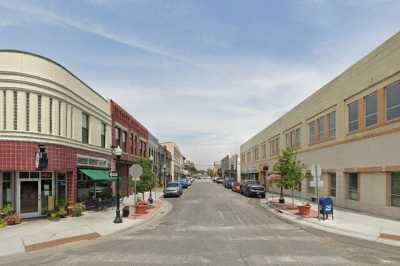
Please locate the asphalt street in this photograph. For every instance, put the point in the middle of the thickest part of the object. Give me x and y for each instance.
(210, 225)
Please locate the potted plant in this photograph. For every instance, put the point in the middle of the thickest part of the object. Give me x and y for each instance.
(76, 211)
(62, 213)
(304, 209)
(53, 216)
(12, 219)
(2, 223)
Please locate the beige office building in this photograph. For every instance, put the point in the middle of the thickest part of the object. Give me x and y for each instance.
(177, 164)
(351, 127)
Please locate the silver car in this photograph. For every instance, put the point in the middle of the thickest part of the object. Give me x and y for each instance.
(173, 189)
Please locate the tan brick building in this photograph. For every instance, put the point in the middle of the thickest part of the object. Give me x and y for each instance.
(351, 127)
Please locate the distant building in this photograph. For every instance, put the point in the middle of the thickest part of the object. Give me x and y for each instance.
(177, 164)
(225, 167)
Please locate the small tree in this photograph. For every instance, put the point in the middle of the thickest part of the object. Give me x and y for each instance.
(290, 170)
(148, 177)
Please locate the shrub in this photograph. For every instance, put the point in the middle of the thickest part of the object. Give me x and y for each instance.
(76, 211)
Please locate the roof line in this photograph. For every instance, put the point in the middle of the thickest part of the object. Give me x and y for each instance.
(53, 62)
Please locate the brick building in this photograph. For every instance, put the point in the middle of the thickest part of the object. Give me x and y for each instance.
(132, 137)
(53, 127)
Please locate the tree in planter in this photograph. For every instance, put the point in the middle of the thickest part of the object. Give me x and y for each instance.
(141, 187)
(148, 177)
(291, 171)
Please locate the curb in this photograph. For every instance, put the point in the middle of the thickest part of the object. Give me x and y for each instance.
(288, 217)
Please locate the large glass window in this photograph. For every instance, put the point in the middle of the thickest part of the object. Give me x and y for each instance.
(371, 107)
(313, 134)
(395, 195)
(123, 144)
(298, 138)
(85, 128)
(332, 125)
(353, 186)
(321, 129)
(117, 136)
(61, 189)
(332, 185)
(393, 101)
(103, 135)
(353, 116)
(264, 150)
(7, 189)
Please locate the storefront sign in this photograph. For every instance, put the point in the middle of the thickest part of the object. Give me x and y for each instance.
(41, 159)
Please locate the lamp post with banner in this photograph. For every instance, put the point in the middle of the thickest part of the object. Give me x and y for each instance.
(117, 151)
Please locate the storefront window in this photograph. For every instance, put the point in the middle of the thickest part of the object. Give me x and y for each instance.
(395, 189)
(353, 186)
(7, 189)
(332, 183)
(61, 189)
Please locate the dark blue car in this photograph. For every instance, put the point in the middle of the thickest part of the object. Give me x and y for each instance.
(184, 183)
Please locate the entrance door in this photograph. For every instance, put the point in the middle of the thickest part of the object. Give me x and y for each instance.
(29, 197)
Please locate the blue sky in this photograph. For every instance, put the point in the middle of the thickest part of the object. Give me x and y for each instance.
(207, 74)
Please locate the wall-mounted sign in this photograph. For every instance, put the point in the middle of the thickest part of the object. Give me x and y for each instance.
(41, 159)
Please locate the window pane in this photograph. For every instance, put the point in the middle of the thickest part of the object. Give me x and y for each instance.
(370, 110)
(396, 183)
(312, 132)
(321, 128)
(353, 116)
(393, 101)
(370, 120)
(332, 124)
(396, 201)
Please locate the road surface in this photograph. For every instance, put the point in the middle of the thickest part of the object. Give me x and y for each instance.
(210, 225)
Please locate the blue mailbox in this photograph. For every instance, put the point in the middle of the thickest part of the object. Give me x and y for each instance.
(326, 207)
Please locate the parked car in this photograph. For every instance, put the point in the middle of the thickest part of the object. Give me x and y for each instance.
(184, 183)
(227, 183)
(236, 187)
(254, 190)
(244, 184)
(219, 180)
(173, 189)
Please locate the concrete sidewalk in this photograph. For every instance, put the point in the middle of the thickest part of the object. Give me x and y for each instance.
(346, 222)
(41, 233)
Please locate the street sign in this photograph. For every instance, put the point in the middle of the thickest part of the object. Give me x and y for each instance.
(313, 183)
(135, 172)
(316, 171)
(113, 174)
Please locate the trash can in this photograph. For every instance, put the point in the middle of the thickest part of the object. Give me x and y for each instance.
(326, 207)
(125, 211)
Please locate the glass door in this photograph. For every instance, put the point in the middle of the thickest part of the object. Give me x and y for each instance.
(29, 197)
(46, 188)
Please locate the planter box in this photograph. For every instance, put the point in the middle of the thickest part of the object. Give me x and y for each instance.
(304, 210)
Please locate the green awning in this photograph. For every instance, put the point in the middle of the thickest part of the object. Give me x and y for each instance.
(98, 176)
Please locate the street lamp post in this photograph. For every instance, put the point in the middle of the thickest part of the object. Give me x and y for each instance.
(164, 170)
(117, 151)
(152, 170)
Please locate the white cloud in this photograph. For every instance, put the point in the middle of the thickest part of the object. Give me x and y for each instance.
(94, 28)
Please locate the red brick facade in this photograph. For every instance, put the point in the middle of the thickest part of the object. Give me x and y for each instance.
(19, 156)
(134, 149)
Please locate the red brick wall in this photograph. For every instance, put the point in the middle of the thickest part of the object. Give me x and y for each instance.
(20, 156)
(122, 117)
